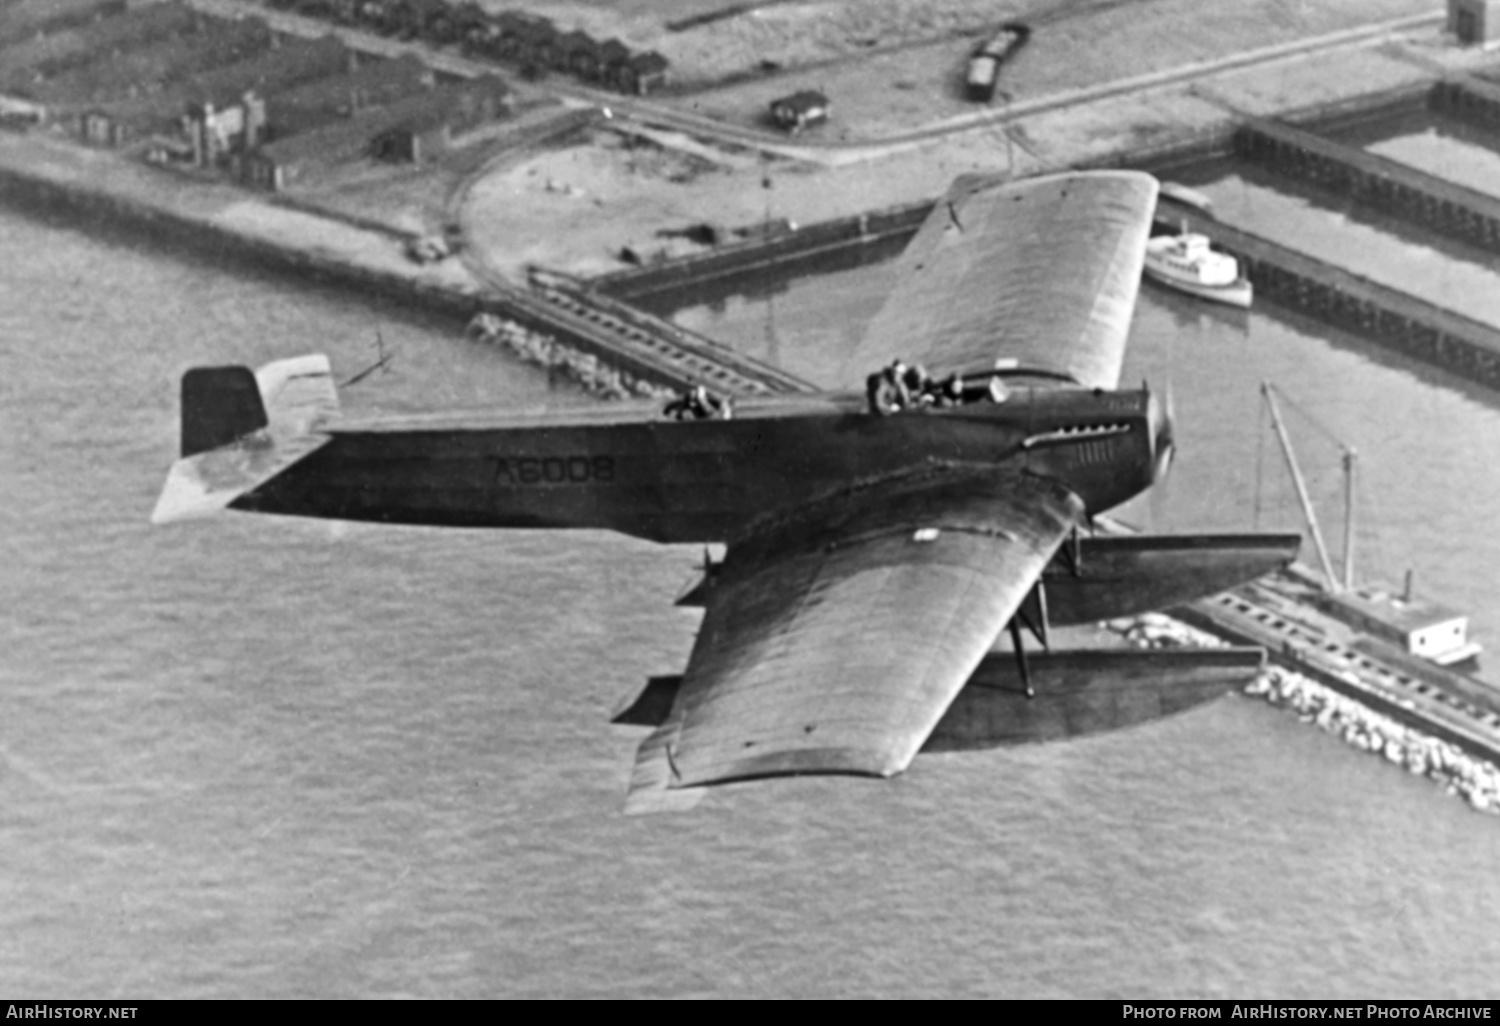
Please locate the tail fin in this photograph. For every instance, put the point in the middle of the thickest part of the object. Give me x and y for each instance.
(240, 428)
(220, 405)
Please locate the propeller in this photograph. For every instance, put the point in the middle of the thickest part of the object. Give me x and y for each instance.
(1163, 448)
(1163, 437)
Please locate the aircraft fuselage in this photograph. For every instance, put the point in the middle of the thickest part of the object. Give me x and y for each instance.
(624, 467)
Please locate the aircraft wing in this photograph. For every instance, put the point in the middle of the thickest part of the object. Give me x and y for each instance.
(834, 640)
(1040, 274)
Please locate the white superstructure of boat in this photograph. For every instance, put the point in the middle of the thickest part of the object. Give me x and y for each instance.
(1186, 262)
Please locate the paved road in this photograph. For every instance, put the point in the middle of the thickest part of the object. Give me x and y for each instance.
(655, 112)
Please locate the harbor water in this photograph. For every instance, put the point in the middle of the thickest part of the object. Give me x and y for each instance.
(1433, 267)
(266, 757)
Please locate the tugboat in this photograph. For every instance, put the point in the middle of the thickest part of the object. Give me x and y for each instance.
(1185, 262)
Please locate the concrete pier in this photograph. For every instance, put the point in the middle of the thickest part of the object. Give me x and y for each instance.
(822, 242)
(1468, 98)
(1281, 275)
(1394, 189)
(1345, 300)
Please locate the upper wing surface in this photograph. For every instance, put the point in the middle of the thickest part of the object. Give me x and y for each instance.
(1041, 271)
(834, 641)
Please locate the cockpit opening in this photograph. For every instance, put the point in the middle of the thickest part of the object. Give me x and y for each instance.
(698, 403)
(901, 386)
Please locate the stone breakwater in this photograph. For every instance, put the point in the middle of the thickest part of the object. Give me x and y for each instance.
(585, 369)
(1461, 774)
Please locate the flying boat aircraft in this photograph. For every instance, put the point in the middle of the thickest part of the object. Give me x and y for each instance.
(881, 537)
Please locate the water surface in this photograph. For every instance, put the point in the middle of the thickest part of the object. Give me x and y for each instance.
(263, 757)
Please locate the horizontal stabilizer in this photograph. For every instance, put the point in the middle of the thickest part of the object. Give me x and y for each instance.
(242, 428)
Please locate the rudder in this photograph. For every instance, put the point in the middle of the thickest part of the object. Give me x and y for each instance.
(219, 406)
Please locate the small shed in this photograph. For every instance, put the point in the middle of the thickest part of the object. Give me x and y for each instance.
(427, 19)
(474, 25)
(1423, 628)
(166, 149)
(98, 128)
(1475, 22)
(524, 37)
(577, 52)
(642, 73)
(798, 111)
(18, 113)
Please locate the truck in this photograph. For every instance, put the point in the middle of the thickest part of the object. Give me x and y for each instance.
(984, 63)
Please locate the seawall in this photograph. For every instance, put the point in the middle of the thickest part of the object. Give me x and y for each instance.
(40, 174)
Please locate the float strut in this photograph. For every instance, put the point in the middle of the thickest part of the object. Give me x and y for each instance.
(1015, 639)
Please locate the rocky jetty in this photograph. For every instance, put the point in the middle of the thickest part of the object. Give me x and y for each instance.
(593, 374)
(1475, 780)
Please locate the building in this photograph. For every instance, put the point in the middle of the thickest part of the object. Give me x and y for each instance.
(639, 74)
(26, 18)
(1421, 628)
(124, 121)
(143, 70)
(1475, 22)
(577, 53)
(218, 130)
(798, 111)
(167, 149)
(611, 54)
(524, 38)
(209, 98)
(473, 24)
(225, 110)
(288, 65)
(25, 64)
(345, 12)
(21, 114)
(414, 129)
(292, 112)
(424, 19)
